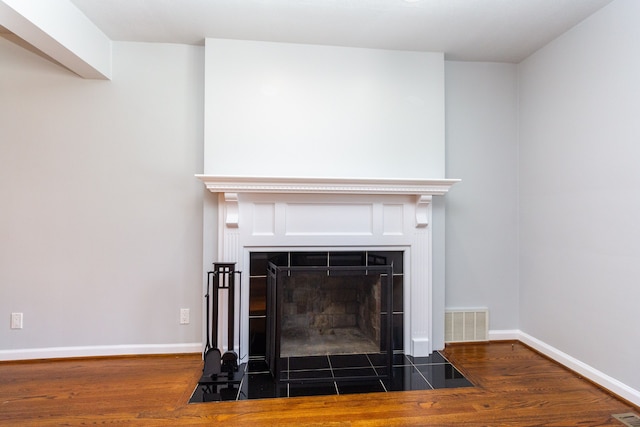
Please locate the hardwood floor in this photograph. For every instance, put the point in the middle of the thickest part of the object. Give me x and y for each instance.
(514, 386)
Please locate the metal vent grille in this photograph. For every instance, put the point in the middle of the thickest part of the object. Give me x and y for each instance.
(629, 419)
(466, 325)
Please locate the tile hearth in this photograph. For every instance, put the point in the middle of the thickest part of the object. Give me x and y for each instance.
(410, 373)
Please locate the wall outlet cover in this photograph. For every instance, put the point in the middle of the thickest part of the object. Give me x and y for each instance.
(16, 320)
(184, 316)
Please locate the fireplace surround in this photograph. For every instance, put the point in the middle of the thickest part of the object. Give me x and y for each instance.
(265, 214)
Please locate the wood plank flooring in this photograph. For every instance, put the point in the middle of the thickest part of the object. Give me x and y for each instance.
(514, 386)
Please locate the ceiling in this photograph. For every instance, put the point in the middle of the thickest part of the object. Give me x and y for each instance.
(468, 30)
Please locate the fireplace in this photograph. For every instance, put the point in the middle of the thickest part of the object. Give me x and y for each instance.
(261, 217)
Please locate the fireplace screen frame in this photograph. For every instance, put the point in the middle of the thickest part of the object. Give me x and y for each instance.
(274, 314)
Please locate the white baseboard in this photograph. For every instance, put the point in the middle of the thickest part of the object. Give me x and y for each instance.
(504, 335)
(100, 350)
(600, 378)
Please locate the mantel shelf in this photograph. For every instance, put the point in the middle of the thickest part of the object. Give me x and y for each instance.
(238, 184)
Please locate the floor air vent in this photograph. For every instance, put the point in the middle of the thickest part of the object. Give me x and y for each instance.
(629, 419)
(466, 325)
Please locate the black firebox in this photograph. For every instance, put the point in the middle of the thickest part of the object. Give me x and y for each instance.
(325, 310)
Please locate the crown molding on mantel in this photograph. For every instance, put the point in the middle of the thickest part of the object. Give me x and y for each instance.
(238, 184)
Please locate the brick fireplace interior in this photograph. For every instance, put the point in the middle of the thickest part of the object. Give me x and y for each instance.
(329, 313)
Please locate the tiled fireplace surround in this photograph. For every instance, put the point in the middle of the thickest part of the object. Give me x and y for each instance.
(326, 214)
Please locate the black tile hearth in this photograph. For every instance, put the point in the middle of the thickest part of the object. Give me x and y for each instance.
(336, 374)
(310, 362)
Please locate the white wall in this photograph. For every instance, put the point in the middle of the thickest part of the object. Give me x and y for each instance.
(101, 216)
(579, 191)
(281, 109)
(101, 220)
(481, 211)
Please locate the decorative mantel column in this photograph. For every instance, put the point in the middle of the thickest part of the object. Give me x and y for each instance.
(308, 214)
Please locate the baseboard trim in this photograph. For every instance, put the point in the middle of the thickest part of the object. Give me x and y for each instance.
(600, 378)
(101, 350)
(504, 335)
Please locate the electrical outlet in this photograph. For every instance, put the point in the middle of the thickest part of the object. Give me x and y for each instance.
(16, 320)
(184, 316)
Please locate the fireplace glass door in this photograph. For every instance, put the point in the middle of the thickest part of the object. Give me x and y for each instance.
(329, 310)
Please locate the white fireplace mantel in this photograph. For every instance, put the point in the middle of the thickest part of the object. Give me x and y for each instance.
(230, 186)
(237, 184)
(284, 213)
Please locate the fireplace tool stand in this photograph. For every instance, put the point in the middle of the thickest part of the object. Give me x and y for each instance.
(220, 368)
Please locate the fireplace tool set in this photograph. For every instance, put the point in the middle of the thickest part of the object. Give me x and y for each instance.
(220, 368)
